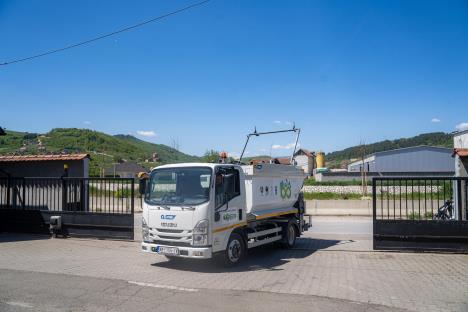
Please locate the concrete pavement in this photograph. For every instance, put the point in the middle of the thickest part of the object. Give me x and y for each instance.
(334, 260)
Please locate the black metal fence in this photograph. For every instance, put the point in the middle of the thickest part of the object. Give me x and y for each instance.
(105, 205)
(420, 213)
(91, 195)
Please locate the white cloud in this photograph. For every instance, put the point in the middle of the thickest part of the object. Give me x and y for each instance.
(462, 126)
(146, 133)
(285, 147)
(435, 120)
(87, 122)
(279, 122)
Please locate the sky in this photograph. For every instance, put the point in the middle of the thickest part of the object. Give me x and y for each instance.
(345, 72)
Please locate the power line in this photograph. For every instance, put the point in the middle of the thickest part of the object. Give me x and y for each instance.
(108, 34)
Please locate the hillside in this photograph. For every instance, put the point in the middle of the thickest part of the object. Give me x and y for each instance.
(104, 149)
(336, 159)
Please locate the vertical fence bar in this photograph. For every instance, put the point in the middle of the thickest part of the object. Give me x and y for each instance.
(406, 198)
(8, 195)
(132, 198)
(459, 201)
(425, 199)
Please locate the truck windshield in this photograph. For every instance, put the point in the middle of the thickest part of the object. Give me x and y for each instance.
(179, 186)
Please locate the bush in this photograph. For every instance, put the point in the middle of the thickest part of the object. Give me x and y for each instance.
(122, 193)
(330, 195)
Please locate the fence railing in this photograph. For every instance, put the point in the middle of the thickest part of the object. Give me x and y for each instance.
(420, 198)
(85, 195)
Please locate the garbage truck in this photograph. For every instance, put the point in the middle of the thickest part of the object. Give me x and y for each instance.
(220, 210)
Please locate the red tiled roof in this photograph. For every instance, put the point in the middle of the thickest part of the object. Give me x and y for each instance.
(283, 160)
(306, 152)
(19, 158)
(462, 152)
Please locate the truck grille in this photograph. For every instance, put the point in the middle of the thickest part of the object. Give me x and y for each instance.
(168, 243)
(171, 237)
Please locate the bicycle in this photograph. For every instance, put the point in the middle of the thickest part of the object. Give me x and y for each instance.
(445, 212)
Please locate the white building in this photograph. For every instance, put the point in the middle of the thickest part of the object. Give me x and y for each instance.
(460, 144)
(306, 160)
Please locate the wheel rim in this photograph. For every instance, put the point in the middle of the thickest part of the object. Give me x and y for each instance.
(234, 250)
(291, 235)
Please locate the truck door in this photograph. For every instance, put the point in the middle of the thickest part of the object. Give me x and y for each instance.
(228, 203)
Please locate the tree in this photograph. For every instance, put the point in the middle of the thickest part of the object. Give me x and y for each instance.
(211, 156)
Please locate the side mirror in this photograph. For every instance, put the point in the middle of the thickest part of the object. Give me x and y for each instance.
(142, 186)
(143, 176)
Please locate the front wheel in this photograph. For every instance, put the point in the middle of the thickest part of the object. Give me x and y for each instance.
(235, 250)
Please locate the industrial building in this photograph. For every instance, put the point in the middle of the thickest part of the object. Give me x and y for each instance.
(423, 158)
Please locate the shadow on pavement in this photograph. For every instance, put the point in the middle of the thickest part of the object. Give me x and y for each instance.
(267, 258)
(17, 237)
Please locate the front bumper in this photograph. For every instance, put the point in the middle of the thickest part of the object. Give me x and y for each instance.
(184, 252)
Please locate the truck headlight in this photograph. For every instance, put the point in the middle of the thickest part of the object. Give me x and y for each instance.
(144, 230)
(200, 233)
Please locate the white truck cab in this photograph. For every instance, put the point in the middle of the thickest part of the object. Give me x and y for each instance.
(199, 210)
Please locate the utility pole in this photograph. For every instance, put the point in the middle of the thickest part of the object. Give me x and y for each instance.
(363, 169)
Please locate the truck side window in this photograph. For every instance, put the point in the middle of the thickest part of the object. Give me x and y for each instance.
(220, 190)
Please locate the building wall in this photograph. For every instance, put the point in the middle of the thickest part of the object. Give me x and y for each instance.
(76, 168)
(305, 162)
(461, 163)
(356, 176)
(460, 140)
(409, 160)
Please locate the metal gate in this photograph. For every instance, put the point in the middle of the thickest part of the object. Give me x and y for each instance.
(420, 213)
(96, 207)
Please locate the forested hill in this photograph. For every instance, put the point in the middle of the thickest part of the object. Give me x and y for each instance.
(104, 149)
(434, 139)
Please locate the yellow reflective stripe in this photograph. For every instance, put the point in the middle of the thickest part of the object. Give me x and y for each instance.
(224, 228)
(276, 214)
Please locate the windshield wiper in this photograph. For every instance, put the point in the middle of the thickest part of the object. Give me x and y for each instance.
(187, 207)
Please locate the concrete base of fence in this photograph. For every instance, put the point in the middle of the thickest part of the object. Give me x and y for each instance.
(339, 207)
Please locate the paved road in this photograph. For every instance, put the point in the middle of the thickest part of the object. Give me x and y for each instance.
(334, 260)
(33, 291)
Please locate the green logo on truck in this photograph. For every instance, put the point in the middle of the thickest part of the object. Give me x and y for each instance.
(285, 189)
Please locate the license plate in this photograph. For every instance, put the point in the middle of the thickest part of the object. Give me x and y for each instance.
(166, 250)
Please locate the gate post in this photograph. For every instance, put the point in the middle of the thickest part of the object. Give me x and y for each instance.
(64, 195)
(374, 209)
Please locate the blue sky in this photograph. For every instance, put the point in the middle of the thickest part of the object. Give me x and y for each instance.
(343, 71)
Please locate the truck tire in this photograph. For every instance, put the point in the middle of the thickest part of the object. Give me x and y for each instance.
(289, 235)
(235, 250)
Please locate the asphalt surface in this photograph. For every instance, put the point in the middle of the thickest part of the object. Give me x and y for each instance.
(34, 291)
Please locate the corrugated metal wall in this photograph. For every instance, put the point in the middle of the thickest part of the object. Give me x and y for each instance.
(415, 160)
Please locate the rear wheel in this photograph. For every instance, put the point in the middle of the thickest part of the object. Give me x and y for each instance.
(235, 250)
(289, 235)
